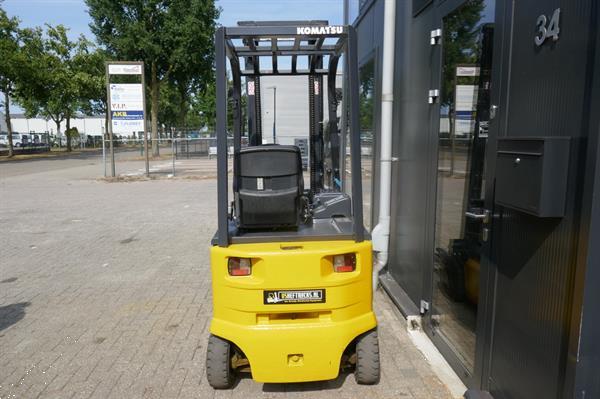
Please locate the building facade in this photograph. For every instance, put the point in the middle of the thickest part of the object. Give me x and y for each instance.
(284, 107)
(3, 127)
(89, 125)
(496, 185)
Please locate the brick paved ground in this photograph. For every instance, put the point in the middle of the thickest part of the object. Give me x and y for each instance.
(104, 292)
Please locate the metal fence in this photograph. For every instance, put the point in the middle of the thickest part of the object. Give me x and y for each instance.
(191, 156)
(192, 148)
(179, 156)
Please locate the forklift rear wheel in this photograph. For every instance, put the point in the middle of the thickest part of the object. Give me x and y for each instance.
(219, 373)
(368, 369)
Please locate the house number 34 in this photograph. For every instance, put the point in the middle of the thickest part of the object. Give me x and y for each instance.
(545, 29)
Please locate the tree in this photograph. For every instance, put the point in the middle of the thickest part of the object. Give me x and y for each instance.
(204, 107)
(64, 80)
(171, 106)
(9, 54)
(184, 110)
(366, 97)
(16, 48)
(204, 104)
(460, 44)
(174, 38)
(91, 64)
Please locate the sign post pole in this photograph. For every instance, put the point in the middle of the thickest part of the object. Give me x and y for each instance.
(110, 135)
(144, 121)
(104, 153)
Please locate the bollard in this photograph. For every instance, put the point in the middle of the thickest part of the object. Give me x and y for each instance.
(173, 155)
(104, 156)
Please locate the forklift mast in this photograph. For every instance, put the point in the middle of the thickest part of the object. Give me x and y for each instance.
(315, 103)
(318, 42)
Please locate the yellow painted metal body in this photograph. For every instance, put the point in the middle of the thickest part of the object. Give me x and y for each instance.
(292, 342)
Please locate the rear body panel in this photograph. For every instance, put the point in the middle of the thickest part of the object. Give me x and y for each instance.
(299, 341)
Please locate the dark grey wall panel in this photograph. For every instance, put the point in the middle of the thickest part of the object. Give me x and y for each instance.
(536, 257)
(364, 30)
(536, 274)
(419, 5)
(548, 78)
(541, 91)
(583, 359)
(412, 145)
(587, 383)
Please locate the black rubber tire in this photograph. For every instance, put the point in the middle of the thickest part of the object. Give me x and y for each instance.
(368, 367)
(218, 363)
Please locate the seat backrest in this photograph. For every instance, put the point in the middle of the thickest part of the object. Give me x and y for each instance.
(269, 187)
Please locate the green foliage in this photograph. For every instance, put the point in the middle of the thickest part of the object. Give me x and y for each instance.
(204, 105)
(50, 75)
(172, 107)
(10, 55)
(50, 87)
(230, 108)
(460, 44)
(72, 133)
(177, 35)
(90, 64)
(17, 48)
(366, 98)
(68, 77)
(174, 38)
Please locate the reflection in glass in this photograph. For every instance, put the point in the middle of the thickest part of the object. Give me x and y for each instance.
(464, 116)
(366, 99)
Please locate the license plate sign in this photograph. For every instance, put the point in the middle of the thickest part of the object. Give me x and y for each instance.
(293, 296)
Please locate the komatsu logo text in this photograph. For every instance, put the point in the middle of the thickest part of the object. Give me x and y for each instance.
(319, 30)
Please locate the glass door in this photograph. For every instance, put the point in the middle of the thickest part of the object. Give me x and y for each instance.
(461, 220)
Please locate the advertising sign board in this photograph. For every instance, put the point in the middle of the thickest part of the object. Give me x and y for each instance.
(127, 107)
(466, 105)
(124, 69)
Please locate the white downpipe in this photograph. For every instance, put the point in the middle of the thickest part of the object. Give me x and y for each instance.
(381, 232)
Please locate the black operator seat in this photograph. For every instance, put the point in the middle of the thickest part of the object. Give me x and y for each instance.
(270, 187)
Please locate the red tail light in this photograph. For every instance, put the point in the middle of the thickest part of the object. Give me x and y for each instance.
(344, 263)
(239, 266)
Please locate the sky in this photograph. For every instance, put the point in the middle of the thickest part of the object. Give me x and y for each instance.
(73, 13)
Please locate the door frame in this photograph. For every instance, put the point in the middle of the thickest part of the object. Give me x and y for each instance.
(479, 377)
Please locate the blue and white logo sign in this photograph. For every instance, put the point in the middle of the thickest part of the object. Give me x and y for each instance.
(127, 115)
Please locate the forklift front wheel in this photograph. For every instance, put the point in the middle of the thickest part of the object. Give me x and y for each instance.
(219, 373)
(368, 368)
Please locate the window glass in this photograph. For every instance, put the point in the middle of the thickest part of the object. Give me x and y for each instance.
(462, 140)
(367, 126)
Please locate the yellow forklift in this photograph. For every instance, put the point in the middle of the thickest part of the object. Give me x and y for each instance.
(291, 267)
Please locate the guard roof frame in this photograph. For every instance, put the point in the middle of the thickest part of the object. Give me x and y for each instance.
(314, 33)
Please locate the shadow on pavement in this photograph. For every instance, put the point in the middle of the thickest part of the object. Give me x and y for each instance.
(11, 314)
(55, 157)
(308, 386)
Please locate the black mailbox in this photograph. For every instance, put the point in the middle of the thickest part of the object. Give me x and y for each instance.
(531, 174)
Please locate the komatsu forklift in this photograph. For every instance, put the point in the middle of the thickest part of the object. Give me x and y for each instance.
(291, 266)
